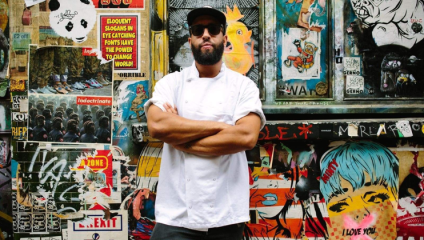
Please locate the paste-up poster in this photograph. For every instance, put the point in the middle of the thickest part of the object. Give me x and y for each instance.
(387, 38)
(296, 63)
(359, 181)
(79, 23)
(284, 196)
(302, 40)
(410, 217)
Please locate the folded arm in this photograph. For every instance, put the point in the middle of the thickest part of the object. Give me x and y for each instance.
(175, 130)
(240, 137)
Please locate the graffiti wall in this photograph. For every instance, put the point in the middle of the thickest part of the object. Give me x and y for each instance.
(382, 48)
(243, 30)
(77, 160)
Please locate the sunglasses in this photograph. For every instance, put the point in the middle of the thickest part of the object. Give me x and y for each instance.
(213, 29)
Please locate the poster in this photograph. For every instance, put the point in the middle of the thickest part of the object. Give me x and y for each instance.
(385, 39)
(302, 50)
(70, 119)
(360, 184)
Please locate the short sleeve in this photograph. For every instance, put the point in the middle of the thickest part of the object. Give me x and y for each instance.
(162, 94)
(248, 102)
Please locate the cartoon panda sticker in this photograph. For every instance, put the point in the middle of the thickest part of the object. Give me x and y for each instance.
(73, 19)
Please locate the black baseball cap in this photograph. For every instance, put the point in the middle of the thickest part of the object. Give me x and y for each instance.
(209, 11)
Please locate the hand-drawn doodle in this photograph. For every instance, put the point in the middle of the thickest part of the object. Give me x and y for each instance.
(392, 21)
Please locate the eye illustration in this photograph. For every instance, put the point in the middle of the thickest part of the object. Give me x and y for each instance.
(239, 32)
(339, 207)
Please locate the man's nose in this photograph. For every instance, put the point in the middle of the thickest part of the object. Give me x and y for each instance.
(206, 34)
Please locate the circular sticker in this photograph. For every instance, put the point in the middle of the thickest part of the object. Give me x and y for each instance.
(321, 88)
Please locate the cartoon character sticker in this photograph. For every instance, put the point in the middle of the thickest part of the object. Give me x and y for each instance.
(359, 181)
(301, 54)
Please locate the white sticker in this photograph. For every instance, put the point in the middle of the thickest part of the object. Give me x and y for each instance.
(352, 65)
(354, 84)
(65, 234)
(23, 108)
(72, 19)
(30, 3)
(404, 128)
(96, 227)
(352, 130)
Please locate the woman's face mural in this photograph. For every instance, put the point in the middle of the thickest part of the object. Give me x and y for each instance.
(359, 183)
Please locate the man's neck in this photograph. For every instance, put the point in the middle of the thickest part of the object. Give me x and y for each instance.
(209, 71)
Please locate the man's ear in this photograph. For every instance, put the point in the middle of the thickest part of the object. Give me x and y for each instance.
(189, 40)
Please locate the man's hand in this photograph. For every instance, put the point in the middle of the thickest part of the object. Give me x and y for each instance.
(170, 109)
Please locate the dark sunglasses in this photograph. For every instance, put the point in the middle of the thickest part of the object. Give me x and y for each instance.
(213, 29)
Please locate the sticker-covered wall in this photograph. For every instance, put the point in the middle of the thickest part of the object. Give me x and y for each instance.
(76, 158)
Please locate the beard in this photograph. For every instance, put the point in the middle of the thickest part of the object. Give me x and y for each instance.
(209, 57)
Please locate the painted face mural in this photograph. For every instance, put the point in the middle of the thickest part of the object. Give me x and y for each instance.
(72, 19)
(359, 182)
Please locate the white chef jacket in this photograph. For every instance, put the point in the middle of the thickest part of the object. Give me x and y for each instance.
(204, 192)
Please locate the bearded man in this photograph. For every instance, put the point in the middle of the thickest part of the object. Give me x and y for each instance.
(207, 115)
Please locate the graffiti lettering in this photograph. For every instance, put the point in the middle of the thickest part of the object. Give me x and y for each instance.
(280, 136)
(330, 171)
(416, 127)
(364, 133)
(341, 130)
(305, 130)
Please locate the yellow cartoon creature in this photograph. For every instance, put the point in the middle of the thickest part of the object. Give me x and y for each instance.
(236, 56)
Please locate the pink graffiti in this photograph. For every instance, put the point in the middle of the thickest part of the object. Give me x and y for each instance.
(368, 221)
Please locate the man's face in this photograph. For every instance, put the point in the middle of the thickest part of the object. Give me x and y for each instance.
(375, 11)
(371, 208)
(207, 48)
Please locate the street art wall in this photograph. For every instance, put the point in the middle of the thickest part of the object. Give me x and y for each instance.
(77, 160)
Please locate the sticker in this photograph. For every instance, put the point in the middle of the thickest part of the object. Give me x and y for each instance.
(354, 84)
(119, 39)
(352, 65)
(352, 130)
(24, 106)
(114, 228)
(404, 128)
(321, 88)
(72, 19)
(301, 54)
(21, 41)
(17, 85)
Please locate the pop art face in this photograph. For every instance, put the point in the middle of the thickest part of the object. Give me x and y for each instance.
(376, 11)
(359, 183)
(361, 209)
(72, 19)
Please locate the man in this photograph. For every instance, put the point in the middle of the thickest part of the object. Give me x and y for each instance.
(207, 115)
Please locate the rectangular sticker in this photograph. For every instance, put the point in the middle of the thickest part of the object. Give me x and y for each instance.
(354, 84)
(119, 39)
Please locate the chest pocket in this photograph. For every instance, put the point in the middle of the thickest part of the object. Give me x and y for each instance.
(213, 101)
